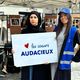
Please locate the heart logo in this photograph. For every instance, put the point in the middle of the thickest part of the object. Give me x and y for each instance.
(26, 45)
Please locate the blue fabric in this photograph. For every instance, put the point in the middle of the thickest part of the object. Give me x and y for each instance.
(65, 67)
(68, 58)
(65, 10)
(68, 52)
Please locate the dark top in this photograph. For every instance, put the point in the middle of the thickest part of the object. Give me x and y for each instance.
(76, 58)
(39, 72)
(32, 30)
(76, 39)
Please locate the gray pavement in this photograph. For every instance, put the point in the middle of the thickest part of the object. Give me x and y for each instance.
(75, 73)
(9, 76)
(15, 76)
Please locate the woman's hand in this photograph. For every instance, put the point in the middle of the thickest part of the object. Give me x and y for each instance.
(76, 48)
(13, 51)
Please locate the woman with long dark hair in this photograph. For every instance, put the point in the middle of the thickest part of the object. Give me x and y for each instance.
(67, 37)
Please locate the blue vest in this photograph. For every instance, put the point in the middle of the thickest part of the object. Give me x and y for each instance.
(68, 52)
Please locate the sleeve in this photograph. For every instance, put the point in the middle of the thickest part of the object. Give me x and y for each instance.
(23, 31)
(76, 39)
(76, 58)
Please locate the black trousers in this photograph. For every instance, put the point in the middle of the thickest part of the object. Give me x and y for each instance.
(62, 75)
(37, 72)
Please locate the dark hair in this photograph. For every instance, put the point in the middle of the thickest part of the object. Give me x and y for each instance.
(60, 24)
(37, 14)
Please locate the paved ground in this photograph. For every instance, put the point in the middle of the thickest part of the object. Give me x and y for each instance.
(16, 76)
(9, 76)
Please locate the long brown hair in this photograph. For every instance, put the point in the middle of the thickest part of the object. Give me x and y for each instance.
(60, 24)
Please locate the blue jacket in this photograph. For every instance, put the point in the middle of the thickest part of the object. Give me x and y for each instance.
(68, 52)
